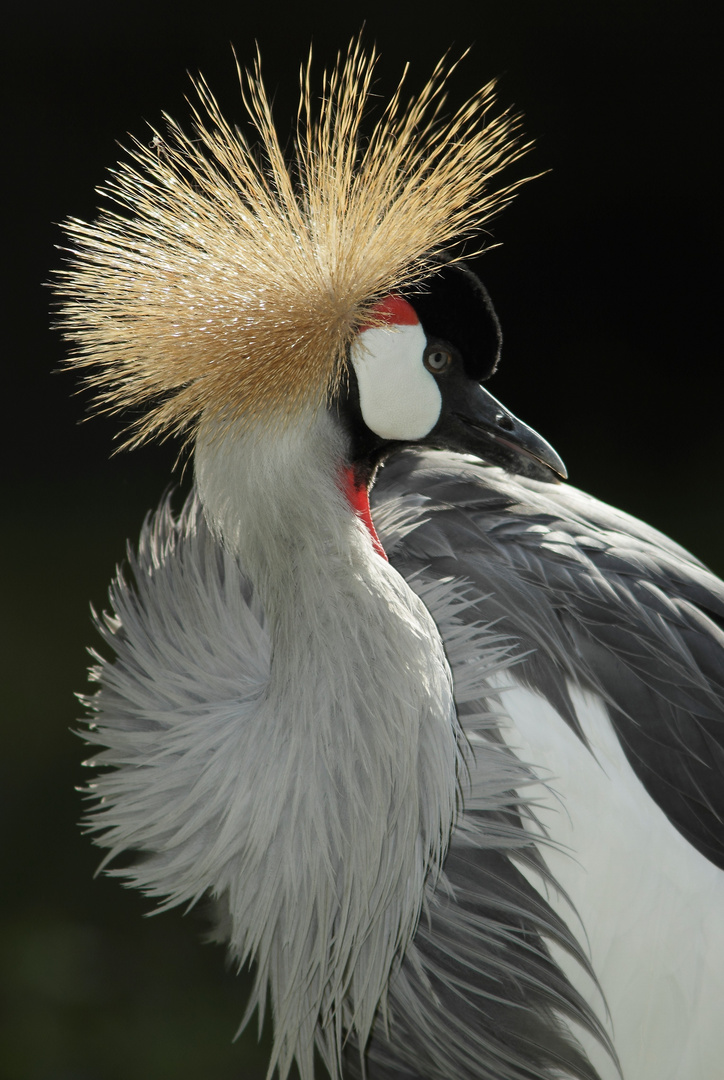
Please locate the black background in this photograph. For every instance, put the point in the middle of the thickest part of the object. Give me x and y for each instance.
(608, 287)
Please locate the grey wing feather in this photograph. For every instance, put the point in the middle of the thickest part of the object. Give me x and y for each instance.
(585, 593)
(592, 594)
(478, 996)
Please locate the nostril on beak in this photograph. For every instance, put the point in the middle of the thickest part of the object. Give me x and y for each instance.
(504, 421)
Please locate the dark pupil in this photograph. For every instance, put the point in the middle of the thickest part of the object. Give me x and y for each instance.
(437, 359)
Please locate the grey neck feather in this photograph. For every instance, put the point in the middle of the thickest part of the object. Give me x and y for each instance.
(348, 788)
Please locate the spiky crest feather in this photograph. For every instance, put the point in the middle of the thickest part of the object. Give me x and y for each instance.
(229, 282)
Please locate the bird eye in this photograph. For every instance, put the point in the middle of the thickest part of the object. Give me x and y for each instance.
(437, 360)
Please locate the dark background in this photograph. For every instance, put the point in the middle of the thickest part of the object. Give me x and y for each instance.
(608, 286)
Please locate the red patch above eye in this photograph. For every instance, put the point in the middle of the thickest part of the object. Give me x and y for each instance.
(394, 311)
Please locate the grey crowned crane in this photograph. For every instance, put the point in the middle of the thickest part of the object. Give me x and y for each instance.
(451, 769)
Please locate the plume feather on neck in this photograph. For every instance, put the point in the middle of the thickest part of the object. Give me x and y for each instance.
(225, 281)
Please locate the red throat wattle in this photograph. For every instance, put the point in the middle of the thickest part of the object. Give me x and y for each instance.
(358, 498)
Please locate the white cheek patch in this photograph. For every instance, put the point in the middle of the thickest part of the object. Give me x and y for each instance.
(398, 396)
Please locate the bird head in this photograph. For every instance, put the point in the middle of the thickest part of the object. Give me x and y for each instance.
(226, 287)
(416, 378)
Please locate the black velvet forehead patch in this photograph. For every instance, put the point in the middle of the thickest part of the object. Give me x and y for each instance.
(455, 306)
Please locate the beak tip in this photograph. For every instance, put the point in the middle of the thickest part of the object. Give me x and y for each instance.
(560, 470)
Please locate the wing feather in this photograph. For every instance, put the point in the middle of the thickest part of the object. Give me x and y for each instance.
(590, 593)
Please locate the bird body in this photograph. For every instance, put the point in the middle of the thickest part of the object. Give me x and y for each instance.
(451, 768)
(642, 903)
(564, 569)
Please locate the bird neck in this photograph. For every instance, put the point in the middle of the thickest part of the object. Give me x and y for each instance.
(352, 758)
(289, 505)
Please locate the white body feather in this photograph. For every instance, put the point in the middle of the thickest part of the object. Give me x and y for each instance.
(647, 904)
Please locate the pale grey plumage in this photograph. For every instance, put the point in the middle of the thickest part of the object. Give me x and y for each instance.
(193, 662)
(315, 801)
(162, 797)
(478, 994)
